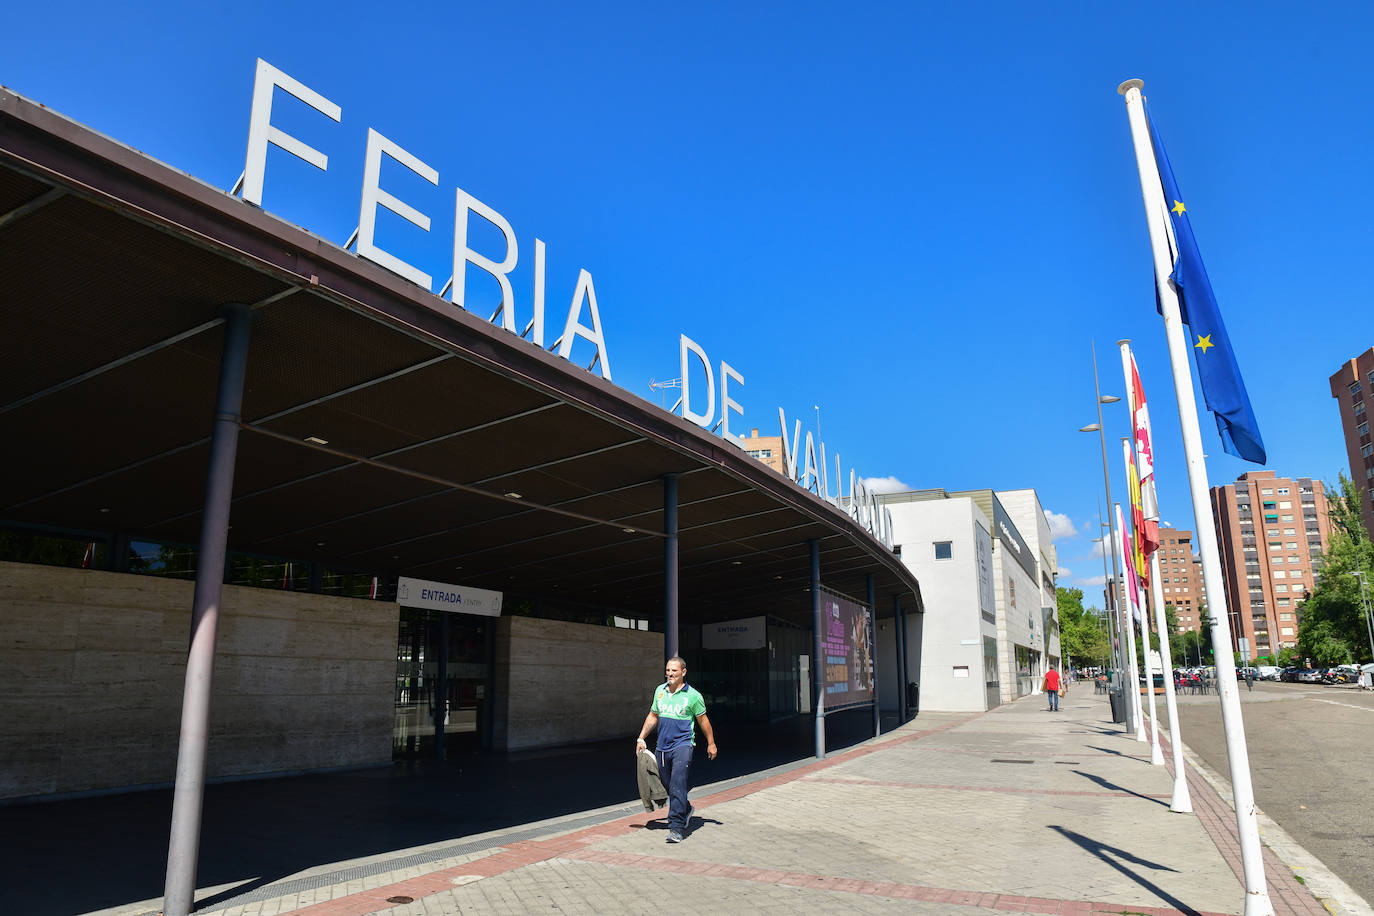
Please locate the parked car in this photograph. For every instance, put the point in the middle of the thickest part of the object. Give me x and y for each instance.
(1289, 674)
(1309, 676)
(1269, 672)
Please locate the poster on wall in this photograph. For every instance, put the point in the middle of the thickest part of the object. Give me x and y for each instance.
(848, 651)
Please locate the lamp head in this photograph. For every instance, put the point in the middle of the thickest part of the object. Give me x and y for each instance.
(1090, 428)
(1109, 399)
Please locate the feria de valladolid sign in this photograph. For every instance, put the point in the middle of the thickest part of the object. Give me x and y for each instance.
(805, 460)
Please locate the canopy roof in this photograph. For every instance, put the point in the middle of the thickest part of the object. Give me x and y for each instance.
(115, 268)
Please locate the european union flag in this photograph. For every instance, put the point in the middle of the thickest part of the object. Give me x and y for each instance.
(1222, 387)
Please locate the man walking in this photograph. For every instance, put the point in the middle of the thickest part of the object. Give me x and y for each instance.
(1052, 688)
(676, 706)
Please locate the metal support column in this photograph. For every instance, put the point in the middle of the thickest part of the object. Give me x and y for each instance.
(118, 560)
(873, 652)
(440, 684)
(670, 621)
(906, 661)
(183, 848)
(900, 668)
(817, 654)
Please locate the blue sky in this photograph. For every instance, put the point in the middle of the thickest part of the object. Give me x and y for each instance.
(917, 216)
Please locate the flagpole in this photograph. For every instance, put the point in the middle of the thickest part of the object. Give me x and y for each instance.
(1108, 612)
(1156, 755)
(1130, 627)
(1257, 902)
(1120, 660)
(1182, 802)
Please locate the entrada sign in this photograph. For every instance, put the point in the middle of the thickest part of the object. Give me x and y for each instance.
(861, 504)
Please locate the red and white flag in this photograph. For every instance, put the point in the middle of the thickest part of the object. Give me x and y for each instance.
(1144, 452)
(373, 593)
(89, 558)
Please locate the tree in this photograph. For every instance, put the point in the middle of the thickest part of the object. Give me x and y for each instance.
(1082, 638)
(1331, 623)
(1288, 657)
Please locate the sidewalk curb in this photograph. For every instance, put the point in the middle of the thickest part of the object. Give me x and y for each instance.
(1333, 893)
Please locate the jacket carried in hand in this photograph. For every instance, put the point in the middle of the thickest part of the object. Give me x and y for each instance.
(651, 791)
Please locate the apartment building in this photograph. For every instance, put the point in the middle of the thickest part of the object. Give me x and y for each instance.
(1272, 532)
(1351, 384)
(767, 449)
(1180, 574)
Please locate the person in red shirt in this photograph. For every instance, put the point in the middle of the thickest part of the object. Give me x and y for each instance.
(1052, 688)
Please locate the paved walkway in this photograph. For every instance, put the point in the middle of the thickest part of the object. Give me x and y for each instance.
(1015, 810)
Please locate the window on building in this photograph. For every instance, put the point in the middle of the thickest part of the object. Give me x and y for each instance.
(1285, 504)
(1288, 518)
(1285, 602)
(1292, 545)
(1283, 491)
(1280, 588)
(759, 452)
(1367, 449)
(1278, 574)
(1290, 531)
(1266, 492)
(944, 550)
(1354, 389)
(1359, 408)
(1362, 429)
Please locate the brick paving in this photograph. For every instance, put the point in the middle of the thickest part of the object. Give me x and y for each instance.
(1015, 810)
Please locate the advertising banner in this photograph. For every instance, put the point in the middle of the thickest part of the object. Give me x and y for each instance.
(848, 650)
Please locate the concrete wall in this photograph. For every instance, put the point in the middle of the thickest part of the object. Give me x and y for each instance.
(92, 666)
(563, 683)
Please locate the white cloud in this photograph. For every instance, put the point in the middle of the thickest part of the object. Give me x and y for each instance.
(885, 485)
(1091, 580)
(1064, 572)
(1061, 526)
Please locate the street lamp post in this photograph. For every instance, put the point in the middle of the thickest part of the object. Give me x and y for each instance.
(1364, 609)
(1111, 525)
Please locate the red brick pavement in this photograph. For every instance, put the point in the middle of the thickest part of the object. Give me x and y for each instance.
(1288, 896)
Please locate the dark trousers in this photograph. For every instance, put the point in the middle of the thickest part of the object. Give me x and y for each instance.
(673, 767)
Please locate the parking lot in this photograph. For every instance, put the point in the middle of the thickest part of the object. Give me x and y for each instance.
(1312, 762)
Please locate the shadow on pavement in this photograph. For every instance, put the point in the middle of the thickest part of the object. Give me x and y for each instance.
(1110, 855)
(1108, 784)
(78, 855)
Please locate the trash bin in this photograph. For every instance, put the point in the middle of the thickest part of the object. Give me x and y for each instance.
(1118, 705)
(913, 697)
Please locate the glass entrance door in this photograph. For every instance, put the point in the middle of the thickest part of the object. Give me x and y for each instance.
(461, 644)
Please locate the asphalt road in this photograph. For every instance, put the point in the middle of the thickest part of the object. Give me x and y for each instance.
(1311, 762)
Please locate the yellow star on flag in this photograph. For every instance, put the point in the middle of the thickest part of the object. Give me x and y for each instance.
(1178, 208)
(1203, 343)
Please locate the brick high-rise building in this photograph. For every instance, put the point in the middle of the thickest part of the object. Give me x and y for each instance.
(767, 449)
(1180, 573)
(1351, 386)
(1272, 531)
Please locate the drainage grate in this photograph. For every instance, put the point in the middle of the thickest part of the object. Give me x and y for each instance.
(400, 899)
(1013, 761)
(1070, 763)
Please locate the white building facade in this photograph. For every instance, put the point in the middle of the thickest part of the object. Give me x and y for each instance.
(947, 542)
(990, 628)
(1025, 510)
